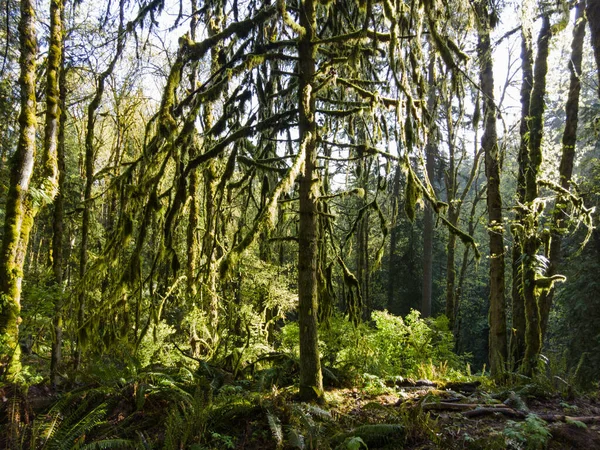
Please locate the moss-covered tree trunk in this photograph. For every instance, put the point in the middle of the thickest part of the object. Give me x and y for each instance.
(569, 140)
(531, 240)
(311, 381)
(489, 144)
(193, 217)
(518, 301)
(392, 302)
(453, 215)
(17, 222)
(89, 164)
(210, 176)
(54, 143)
(431, 151)
(593, 17)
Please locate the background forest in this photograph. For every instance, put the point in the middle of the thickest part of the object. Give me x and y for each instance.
(212, 208)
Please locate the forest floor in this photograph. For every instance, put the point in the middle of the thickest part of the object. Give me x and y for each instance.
(409, 415)
(465, 417)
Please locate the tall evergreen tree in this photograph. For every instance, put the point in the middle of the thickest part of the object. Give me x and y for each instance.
(498, 350)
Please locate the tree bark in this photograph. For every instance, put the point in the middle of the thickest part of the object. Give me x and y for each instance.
(533, 333)
(518, 302)
(193, 218)
(392, 304)
(431, 151)
(89, 176)
(56, 89)
(210, 175)
(311, 380)
(593, 17)
(569, 140)
(17, 223)
(489, 144)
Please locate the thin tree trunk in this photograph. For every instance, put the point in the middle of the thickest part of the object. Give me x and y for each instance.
(211, 181)
(193, 218)
(464, 266)
(89, 177)
(57, 32)
(431, 151)
(311, 380)
(451, 305)
(533, 333)
(453, 215)
(16, 223)
(569, 140)
(489, 144)
(427, 262)
(593, 17)
(392, 304)
(519, 322)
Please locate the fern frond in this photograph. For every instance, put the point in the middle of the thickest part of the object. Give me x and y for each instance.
(109, 444)
(295, 439)
(228, 414)
(276, 429)
(321, 413)
(376, 435)
(69, 437)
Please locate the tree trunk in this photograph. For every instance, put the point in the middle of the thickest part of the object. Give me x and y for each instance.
(451, 304)
(17, 223)
(89, 177)
(453, 215)
(533, 333)
(489, 144)
(56, 113)
(392, 304)
(518, 301)
(311, 380)
(427, 261)
(428, 222)
(593, 16)
(211, 180)
(569, 140)
(193, 218)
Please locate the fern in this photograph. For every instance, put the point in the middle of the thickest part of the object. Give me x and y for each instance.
(533, 433)
(109, 444)
(186, 421)
(295, 439)
(276, 430)
(354, 443)
(69, 437)
(321, 413)
(309, 432)
(376, 435)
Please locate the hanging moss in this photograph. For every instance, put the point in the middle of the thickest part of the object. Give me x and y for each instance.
(268, 214)
(465, 238)
(353, 299)
(297, 28)
(412, 195)
(326, 294)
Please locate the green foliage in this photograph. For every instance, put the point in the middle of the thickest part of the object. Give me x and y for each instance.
(531, 434)
(68, 423)
(375, 435)
(157, 347)
(308, 426)
(391, 346)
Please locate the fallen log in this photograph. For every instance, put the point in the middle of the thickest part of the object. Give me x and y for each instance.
(467, 386)
(509, 412)
(450, 406)
(568, 419)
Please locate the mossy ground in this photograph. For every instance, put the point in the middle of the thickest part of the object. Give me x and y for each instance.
(150, 413)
